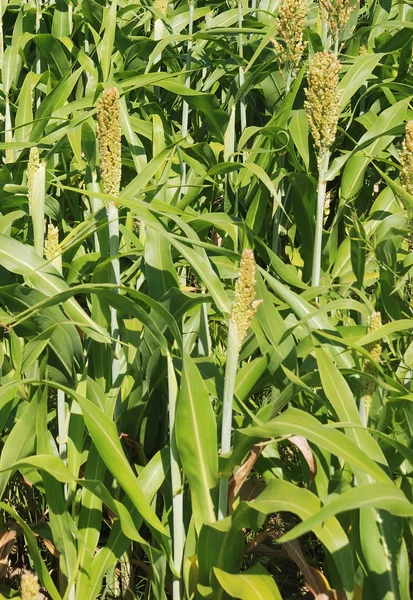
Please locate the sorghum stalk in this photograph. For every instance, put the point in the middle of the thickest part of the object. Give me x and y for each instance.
(242, 107)
(29, 586)
(159, 26)
(406, 159)
(36, 184)
(323, 110)
(109, 137)
(243, 311)
(51, 251)
(185, 105)
(375, 350)
(176, 482)
(1, 34)
(290, 21)
(38, 62)
(337, 14)
(8, 134)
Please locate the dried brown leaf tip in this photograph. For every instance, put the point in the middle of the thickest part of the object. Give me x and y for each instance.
(338, 14)
(245, 305)
(29, 586)
(109, 135)
(290, 21)
(323, 101)
(406, 159)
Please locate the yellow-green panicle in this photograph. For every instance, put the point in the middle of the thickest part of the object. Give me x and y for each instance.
(245, 306)
(290, 21)
(29, 586)
(109, 136)
(323, 101)
(406, 159)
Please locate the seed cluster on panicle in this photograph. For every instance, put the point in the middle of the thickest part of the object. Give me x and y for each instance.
(32, 166)
(29, 586)
(245, 306)
(406, 159)
(161, 5)
(290, 21)
(109, 136)
(375, 350)
(338, 14)
(51, 245)
(323, 101)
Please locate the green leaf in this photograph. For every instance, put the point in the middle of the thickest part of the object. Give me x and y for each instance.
(196, 438)
(253, 584)
(21, 259)
(379, 495)
(297, 422)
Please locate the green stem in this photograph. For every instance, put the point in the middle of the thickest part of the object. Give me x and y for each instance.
(176, 481)
(185, 105)
(242, 106)
(318, 237)
(38, 62)
(229, 386)
(113, 220)
(324, 31)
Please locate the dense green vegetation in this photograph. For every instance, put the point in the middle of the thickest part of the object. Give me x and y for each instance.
(177, 422)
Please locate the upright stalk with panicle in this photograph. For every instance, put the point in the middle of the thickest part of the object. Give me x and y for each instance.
(109, 137)
(336, 15)
(243, 311)
(290, 23)
(368, 384)
(323, 110)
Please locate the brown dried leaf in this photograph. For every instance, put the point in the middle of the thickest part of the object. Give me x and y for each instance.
(51, 548)
(241, 475)
(251, 489)
(304, 447)
(7, 541)
(314, 579)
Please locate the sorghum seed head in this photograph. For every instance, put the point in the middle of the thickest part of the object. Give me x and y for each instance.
(375, 347)
(338, 14)
(406, 159)
(375, 350)
(323, 100)
(32, 166)
(161, 5)
(109, 135)
(290, 21)
(245, 306)
(51, 245)
(29, 586)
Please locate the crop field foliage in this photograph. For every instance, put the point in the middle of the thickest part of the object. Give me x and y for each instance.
(206, 290)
